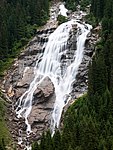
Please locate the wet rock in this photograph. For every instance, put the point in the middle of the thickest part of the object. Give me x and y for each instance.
(97, 29)
(17, 81)
(42, 39)
(26, 79)
(38, 93)
(19, 78)
(15, 119)
(63, 56)
(40, 117)
(34, 40)
(43, 91)
(10, 92)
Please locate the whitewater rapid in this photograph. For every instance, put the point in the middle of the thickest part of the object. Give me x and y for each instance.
(63, 86)
(51, 66)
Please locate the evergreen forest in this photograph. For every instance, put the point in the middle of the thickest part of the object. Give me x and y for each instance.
(88, 123)
(19, 20)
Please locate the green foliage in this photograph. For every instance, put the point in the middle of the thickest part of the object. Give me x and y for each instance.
(91, 19)
(84, 4)
(85, 127)
(88, 123)
(97, 8)
(4, 134)
(46, 142)
(18, 23)
(61, 19)
(57, 141)
(71, 4)
(35, 146)
(97, 75)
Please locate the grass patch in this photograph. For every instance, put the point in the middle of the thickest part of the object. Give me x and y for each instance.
(4, 132)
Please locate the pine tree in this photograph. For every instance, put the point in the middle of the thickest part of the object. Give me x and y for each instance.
(57, 141)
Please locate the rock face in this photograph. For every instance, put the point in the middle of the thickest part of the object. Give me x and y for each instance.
(80, 85)
(17, 81)
(21, 74)
(43, 91)
(40, 117)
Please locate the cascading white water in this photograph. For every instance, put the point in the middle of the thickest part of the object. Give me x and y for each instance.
(63, 11)
(50, 66)
(64, 86)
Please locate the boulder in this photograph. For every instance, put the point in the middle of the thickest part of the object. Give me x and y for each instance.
(43, 91)
(28, 75)
(10, 91)
(19, 79)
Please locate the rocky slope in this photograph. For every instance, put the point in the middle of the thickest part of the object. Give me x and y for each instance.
(21, 74)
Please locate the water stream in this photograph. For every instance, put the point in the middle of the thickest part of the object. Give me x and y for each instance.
(51, 66)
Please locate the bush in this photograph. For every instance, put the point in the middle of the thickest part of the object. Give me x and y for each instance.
(61, 19)
(91, 20)
(4, 133)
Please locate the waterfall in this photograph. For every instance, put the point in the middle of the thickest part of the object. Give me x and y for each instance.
(63, 87)
(63, 11)
(51, 66)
